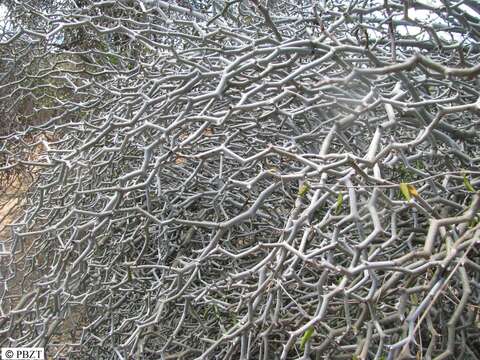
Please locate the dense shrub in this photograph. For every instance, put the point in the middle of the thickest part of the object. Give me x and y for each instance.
(244, 179)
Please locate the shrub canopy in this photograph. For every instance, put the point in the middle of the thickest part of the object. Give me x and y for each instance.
(242, 179)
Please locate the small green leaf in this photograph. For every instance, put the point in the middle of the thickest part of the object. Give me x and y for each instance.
(339, 203)
(467, 183)
(404, 190)
(306, 336)
(412, 190)
(303, 189)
